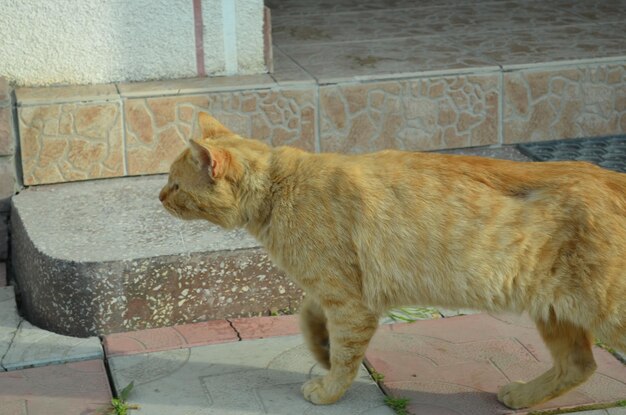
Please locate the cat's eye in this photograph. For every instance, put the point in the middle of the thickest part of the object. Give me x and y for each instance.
(175, 186)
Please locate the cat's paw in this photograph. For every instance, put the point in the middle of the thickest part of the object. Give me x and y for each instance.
(317, 392)
(515, 395)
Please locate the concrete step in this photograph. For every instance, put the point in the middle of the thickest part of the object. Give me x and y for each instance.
(104, 256)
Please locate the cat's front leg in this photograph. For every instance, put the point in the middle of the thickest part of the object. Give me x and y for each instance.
(350, 326)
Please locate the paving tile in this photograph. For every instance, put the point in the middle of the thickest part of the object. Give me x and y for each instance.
(609, 411)
(288, 72)
(250, 377)
(9, 320)
(564, 102)
(70, 389)
(455, 365)
(68, 142)
(595, 11)
(380, 59)
(540, 47)
(23, 346)
(169, 338)
(262, 327)
(418, 114)
(33, 347)
(282, 8)
(498, 17)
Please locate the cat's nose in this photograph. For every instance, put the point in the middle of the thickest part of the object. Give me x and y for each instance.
(162, 195)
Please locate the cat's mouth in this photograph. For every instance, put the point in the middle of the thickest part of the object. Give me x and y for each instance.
(171, 210)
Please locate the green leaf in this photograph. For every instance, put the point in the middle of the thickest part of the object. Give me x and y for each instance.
(126, 391)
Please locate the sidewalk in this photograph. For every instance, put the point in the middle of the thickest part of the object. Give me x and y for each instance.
(443, 366)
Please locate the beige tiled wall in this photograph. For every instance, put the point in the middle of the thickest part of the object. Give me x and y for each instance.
(157, 129)
(79, 133)
(7, 139)
(566, 102)
(419, 114)
(9, 182)
(73, 141)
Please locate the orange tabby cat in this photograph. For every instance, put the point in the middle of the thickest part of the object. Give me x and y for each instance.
(363, 234)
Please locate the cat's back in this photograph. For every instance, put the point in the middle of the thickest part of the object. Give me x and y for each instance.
(443, 172)
(398, 176)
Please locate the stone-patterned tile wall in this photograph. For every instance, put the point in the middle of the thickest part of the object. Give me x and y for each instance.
(7, 147)
(157, 129)
(567, 102)
(108, 133)
(418, 114)
(7, 144)
(74, 141)
(8, 174)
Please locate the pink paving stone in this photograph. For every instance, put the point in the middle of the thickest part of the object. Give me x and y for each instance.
(168, 338)
(262, 327)
(70, 389)
(455, 366)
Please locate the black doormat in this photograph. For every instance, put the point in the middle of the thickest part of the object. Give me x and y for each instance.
(607, 152)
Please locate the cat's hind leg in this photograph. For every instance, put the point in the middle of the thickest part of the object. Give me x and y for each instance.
(350, 326)
(570, 347)
(313, 326)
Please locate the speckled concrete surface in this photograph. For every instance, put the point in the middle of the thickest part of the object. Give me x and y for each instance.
(126, 216)
(104, 256)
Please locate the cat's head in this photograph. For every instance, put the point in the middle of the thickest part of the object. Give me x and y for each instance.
(205, 180)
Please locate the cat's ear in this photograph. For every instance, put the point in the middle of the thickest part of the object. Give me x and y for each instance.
(217, 162)
(210, 127)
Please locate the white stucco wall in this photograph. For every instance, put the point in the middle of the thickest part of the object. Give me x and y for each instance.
(246, 47)
(45, 42)
(250, 36)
